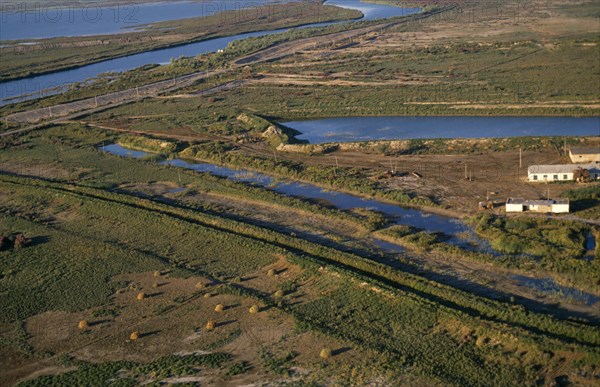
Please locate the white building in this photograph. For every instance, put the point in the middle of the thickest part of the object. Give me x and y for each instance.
(584, 155)
(560, 172)
(559, 206)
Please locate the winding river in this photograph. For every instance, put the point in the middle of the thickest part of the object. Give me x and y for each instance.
(52, 83)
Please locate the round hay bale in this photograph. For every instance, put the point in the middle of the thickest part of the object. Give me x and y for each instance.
(271, 272)
(219, 308)
(279, 294)
(140, 296)
(83, 325)
(134, 336)
(210, 325)
(254, 309)
(325, 353)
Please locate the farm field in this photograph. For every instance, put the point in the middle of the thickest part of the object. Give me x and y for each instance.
(187, 236)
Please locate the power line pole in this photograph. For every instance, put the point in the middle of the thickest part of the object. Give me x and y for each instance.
(520, 157)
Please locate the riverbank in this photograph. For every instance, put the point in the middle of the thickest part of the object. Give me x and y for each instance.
(50, 55)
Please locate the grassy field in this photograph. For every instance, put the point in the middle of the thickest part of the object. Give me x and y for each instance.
(117, 219)
(89, 233)
(124, 271)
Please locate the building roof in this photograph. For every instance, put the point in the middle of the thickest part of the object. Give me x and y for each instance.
(580, 150)
(561, 168)
(539, 202)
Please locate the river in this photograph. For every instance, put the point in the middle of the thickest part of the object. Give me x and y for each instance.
(52, 20)
(55, 82)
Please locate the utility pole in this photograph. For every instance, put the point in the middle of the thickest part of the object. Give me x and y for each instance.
(520, 157)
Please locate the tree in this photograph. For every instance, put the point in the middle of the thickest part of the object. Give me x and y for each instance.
(581, 175)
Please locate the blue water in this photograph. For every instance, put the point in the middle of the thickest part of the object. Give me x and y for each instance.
(348, 129)
(405, 216)
(56, 82)
(49, 20)
(373, 11)
(550, 287)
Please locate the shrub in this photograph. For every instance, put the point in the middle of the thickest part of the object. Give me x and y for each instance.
(21, 241)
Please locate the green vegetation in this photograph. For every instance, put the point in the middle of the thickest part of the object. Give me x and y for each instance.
(126, 373)
(583, 9)
(591, 192)
(278, 365)
(45, 208)
(412, 237)
(555, 245)
(147, 144)
(586, 201)
(78, 227)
